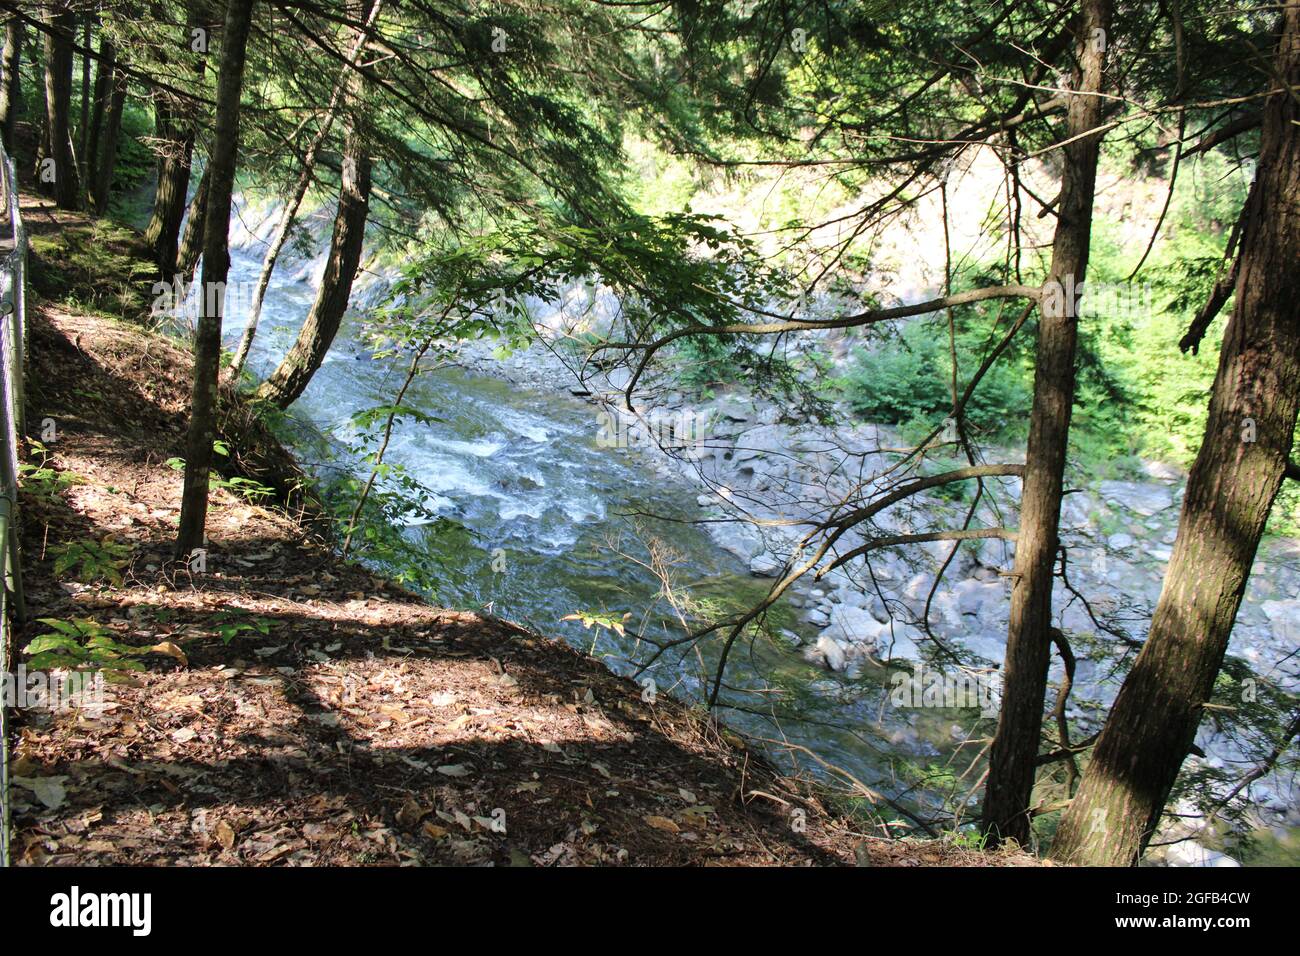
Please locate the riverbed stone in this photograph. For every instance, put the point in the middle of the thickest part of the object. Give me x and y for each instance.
(1145, 499)
(853, 625)
(901, 642)
(832, 655)
(973, 595)
(996, 553)
(762, 442)
(817, 616)
(1120, 541)
(741, 539)
(990, 645)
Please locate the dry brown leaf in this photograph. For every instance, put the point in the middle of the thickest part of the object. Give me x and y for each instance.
(171, 650)
(225, 834)
(411, 814)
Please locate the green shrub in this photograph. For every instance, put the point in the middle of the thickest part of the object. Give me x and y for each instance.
(706, 360)
(907, 381)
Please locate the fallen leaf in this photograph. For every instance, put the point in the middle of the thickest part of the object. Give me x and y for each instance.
(663, 823)
(225, 835)
(48, 790)
(171, 650)
(315, 831)
(411, 813)
(435, 832)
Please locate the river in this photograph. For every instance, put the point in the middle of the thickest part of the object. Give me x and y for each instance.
(530, 518)
(538, 522)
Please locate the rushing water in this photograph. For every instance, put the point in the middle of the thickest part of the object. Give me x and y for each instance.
(552, 524)
(522, 472)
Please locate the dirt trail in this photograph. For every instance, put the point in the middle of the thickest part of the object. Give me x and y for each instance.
(341, 720)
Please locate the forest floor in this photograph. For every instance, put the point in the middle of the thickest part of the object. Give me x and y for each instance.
(300, 710)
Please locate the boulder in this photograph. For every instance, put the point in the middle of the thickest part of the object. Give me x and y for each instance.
(1145, 499)
(1161, 471)
(817, 616)
(901, 642)
(831, 654)
(741, 539)
(765, 441)
(852, 625)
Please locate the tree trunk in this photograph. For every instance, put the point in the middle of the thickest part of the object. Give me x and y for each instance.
(10, 92)
(112, 134)
(317, 333)
(40, 119)
(58, 102)
(176, 133)
(216, 267)
(1230, 490)
(191, 247)
(1013, 755)
(103, 90)
(83, 130)
(162, 234)
(295, 199)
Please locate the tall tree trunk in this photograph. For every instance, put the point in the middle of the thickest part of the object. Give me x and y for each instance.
(107, 162)
(103, 90)
(40, 116)
(176, 135)
(1013, 755)
(83, 130)
(162, 234)
(295, 198)
(290, 378)
(1230, 491)
(216, 267)
(191, 247)
(10, 91)
(58, 102)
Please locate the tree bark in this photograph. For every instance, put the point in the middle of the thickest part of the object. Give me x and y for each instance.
(216, 268)
(107, 161)
(58, 102)
(191, 247)
(83, 130)
(104, 71)
(1013, 755)
(290, 378)
(10, 91)
(295, 198)
(1230, 491)
(176, 133)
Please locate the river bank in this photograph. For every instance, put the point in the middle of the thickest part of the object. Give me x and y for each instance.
(304, 711)
(756, 467)
(759, 471)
